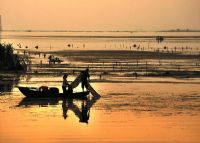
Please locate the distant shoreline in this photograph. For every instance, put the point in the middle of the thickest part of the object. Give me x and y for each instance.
(93, 31)
(79, 36)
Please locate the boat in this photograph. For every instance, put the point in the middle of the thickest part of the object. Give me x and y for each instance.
(50, 93)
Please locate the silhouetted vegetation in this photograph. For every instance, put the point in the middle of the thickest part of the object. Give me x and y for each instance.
(9, 60)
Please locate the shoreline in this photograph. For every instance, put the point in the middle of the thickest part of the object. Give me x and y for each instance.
(118, 63)
(102, 37)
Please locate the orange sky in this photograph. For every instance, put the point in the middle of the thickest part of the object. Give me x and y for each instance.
(100, 14)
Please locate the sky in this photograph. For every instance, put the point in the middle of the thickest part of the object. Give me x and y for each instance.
(100, 14)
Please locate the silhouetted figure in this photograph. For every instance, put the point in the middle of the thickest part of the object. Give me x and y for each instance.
(85, 76)
(50, 59)
(65, 84)
(54, 61)
(159, 39)
(135, 74)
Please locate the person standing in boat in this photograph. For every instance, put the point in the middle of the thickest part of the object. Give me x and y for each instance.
(65, 83)
(85, 76)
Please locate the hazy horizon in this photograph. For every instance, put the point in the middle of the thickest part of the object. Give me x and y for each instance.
(100, 15)
(68, 30)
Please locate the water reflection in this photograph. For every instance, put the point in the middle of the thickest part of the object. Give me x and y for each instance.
(28, 102)
(83, 112)
(65, 106)
(8, 82)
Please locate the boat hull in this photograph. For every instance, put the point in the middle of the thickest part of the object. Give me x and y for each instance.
(34, 93)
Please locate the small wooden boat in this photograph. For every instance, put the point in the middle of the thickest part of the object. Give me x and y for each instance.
(51, 93)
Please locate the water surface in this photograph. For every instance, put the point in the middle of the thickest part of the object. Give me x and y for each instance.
(145, 109)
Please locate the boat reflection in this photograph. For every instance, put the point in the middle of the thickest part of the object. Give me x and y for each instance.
(83, 112)
(41, 102)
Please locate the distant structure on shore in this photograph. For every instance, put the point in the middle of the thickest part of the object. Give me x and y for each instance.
(181, 30)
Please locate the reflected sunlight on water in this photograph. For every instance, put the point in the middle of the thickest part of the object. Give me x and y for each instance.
(134, 113)
(141, 109)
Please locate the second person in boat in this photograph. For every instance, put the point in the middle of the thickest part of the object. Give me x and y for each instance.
(85, 77)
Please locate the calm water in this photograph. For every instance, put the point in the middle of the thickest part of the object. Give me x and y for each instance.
(135, 112)
(54, 41)
(145, 110)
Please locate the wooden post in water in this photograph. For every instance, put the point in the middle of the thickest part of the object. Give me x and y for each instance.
(40, 63)
(146, 68)
(178, 67)
(160, 63)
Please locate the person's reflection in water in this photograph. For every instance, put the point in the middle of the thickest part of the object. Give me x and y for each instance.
(65, 106)
(85, 113)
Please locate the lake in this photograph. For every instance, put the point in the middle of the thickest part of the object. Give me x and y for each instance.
(144, 109)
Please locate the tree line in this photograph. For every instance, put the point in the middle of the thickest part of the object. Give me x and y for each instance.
(9, 60)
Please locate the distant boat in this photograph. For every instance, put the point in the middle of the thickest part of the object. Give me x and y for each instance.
(51, 93)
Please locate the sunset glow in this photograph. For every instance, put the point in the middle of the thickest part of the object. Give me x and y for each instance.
(99, 71)
(100, 14)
